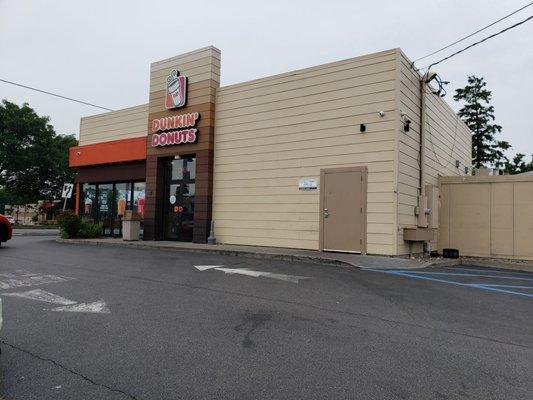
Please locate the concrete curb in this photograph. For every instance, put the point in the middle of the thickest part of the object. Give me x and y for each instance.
(234, 253)
(442, 262)
(320, 258)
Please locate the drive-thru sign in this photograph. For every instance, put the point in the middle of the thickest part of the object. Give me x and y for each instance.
(67, 190)
(67, 193)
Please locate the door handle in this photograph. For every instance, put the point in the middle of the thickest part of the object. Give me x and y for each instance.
(326, 213)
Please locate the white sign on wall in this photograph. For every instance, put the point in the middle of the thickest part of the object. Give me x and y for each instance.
(308, 184)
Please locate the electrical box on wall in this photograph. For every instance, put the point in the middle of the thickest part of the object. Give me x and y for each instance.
(422, 211)
(418, 234)
(432, 194)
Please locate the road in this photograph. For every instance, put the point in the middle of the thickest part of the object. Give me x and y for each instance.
(93, 322)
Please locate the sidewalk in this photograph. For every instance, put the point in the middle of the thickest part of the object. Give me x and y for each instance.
(35, 232)
(274, 253)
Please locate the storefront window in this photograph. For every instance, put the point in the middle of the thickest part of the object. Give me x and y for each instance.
(107, 203)
(105, 207)
(139, 198)
(88, 204)
(139, 189)
(122, 203)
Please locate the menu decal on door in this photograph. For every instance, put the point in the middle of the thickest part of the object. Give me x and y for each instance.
(171, 132)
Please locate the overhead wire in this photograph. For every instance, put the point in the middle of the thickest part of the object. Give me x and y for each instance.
(473, 33)
(55, 94)
(479, 42)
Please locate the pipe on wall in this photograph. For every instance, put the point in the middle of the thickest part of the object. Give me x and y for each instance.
(422, 133)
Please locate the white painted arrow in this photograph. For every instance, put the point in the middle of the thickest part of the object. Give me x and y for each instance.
(29, 279)
(66, 305)
(255, 274)
(206, 267)
(42, 295)
(97, 307)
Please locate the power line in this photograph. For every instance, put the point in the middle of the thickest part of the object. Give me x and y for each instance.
(54, 94)
(479, 42)
(474, 33)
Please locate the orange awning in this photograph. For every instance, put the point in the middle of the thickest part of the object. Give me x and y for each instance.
(108, 152)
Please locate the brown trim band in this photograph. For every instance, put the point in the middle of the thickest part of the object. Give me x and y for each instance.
(132, 171)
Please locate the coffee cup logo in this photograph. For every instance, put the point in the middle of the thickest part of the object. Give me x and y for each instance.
(176, 90)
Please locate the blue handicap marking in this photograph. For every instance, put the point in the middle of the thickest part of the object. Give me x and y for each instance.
(441, 277)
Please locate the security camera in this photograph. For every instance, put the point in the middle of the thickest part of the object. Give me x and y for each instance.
(406, 124)
(382, 114)
(78, 153)
(429, 76)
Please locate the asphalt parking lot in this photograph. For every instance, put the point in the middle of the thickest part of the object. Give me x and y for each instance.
(92, 322)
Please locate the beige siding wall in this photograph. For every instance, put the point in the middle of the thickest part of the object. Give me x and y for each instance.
(202, 69)
(122, 124)
(447, 139)
(488, 216)
(271, 132)
(198, 65)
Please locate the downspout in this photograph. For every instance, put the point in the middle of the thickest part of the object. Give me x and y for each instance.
(422, 220)
(422, 136)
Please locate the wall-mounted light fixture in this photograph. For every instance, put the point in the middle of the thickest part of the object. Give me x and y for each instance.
(362, 128)
(457, 163)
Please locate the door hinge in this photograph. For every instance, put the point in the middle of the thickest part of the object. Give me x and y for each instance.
(361, 210)
(360, 241)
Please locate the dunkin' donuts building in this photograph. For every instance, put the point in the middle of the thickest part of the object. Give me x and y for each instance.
(330, 157)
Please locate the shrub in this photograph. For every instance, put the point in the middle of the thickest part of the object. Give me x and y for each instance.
(88, 230)
(69, 226)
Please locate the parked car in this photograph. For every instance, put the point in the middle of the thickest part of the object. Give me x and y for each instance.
(1, 321)
(11, 219)
(6, 229)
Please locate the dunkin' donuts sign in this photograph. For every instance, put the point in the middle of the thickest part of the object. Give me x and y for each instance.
(177, 129)
(172, 130)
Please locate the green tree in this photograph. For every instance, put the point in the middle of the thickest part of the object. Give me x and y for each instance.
(478, 114)
(33, 158)
(518, 164)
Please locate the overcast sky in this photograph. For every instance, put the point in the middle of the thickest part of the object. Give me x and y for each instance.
(100, 51)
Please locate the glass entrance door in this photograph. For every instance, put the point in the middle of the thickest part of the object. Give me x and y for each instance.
(178, 206)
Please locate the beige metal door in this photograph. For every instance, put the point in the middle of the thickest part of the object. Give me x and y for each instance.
(343, 209)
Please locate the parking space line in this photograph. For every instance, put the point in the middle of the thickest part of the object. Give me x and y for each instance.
(508, 286)
(494, 289)
(467, 274)
(418, 275)
(492, 271)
